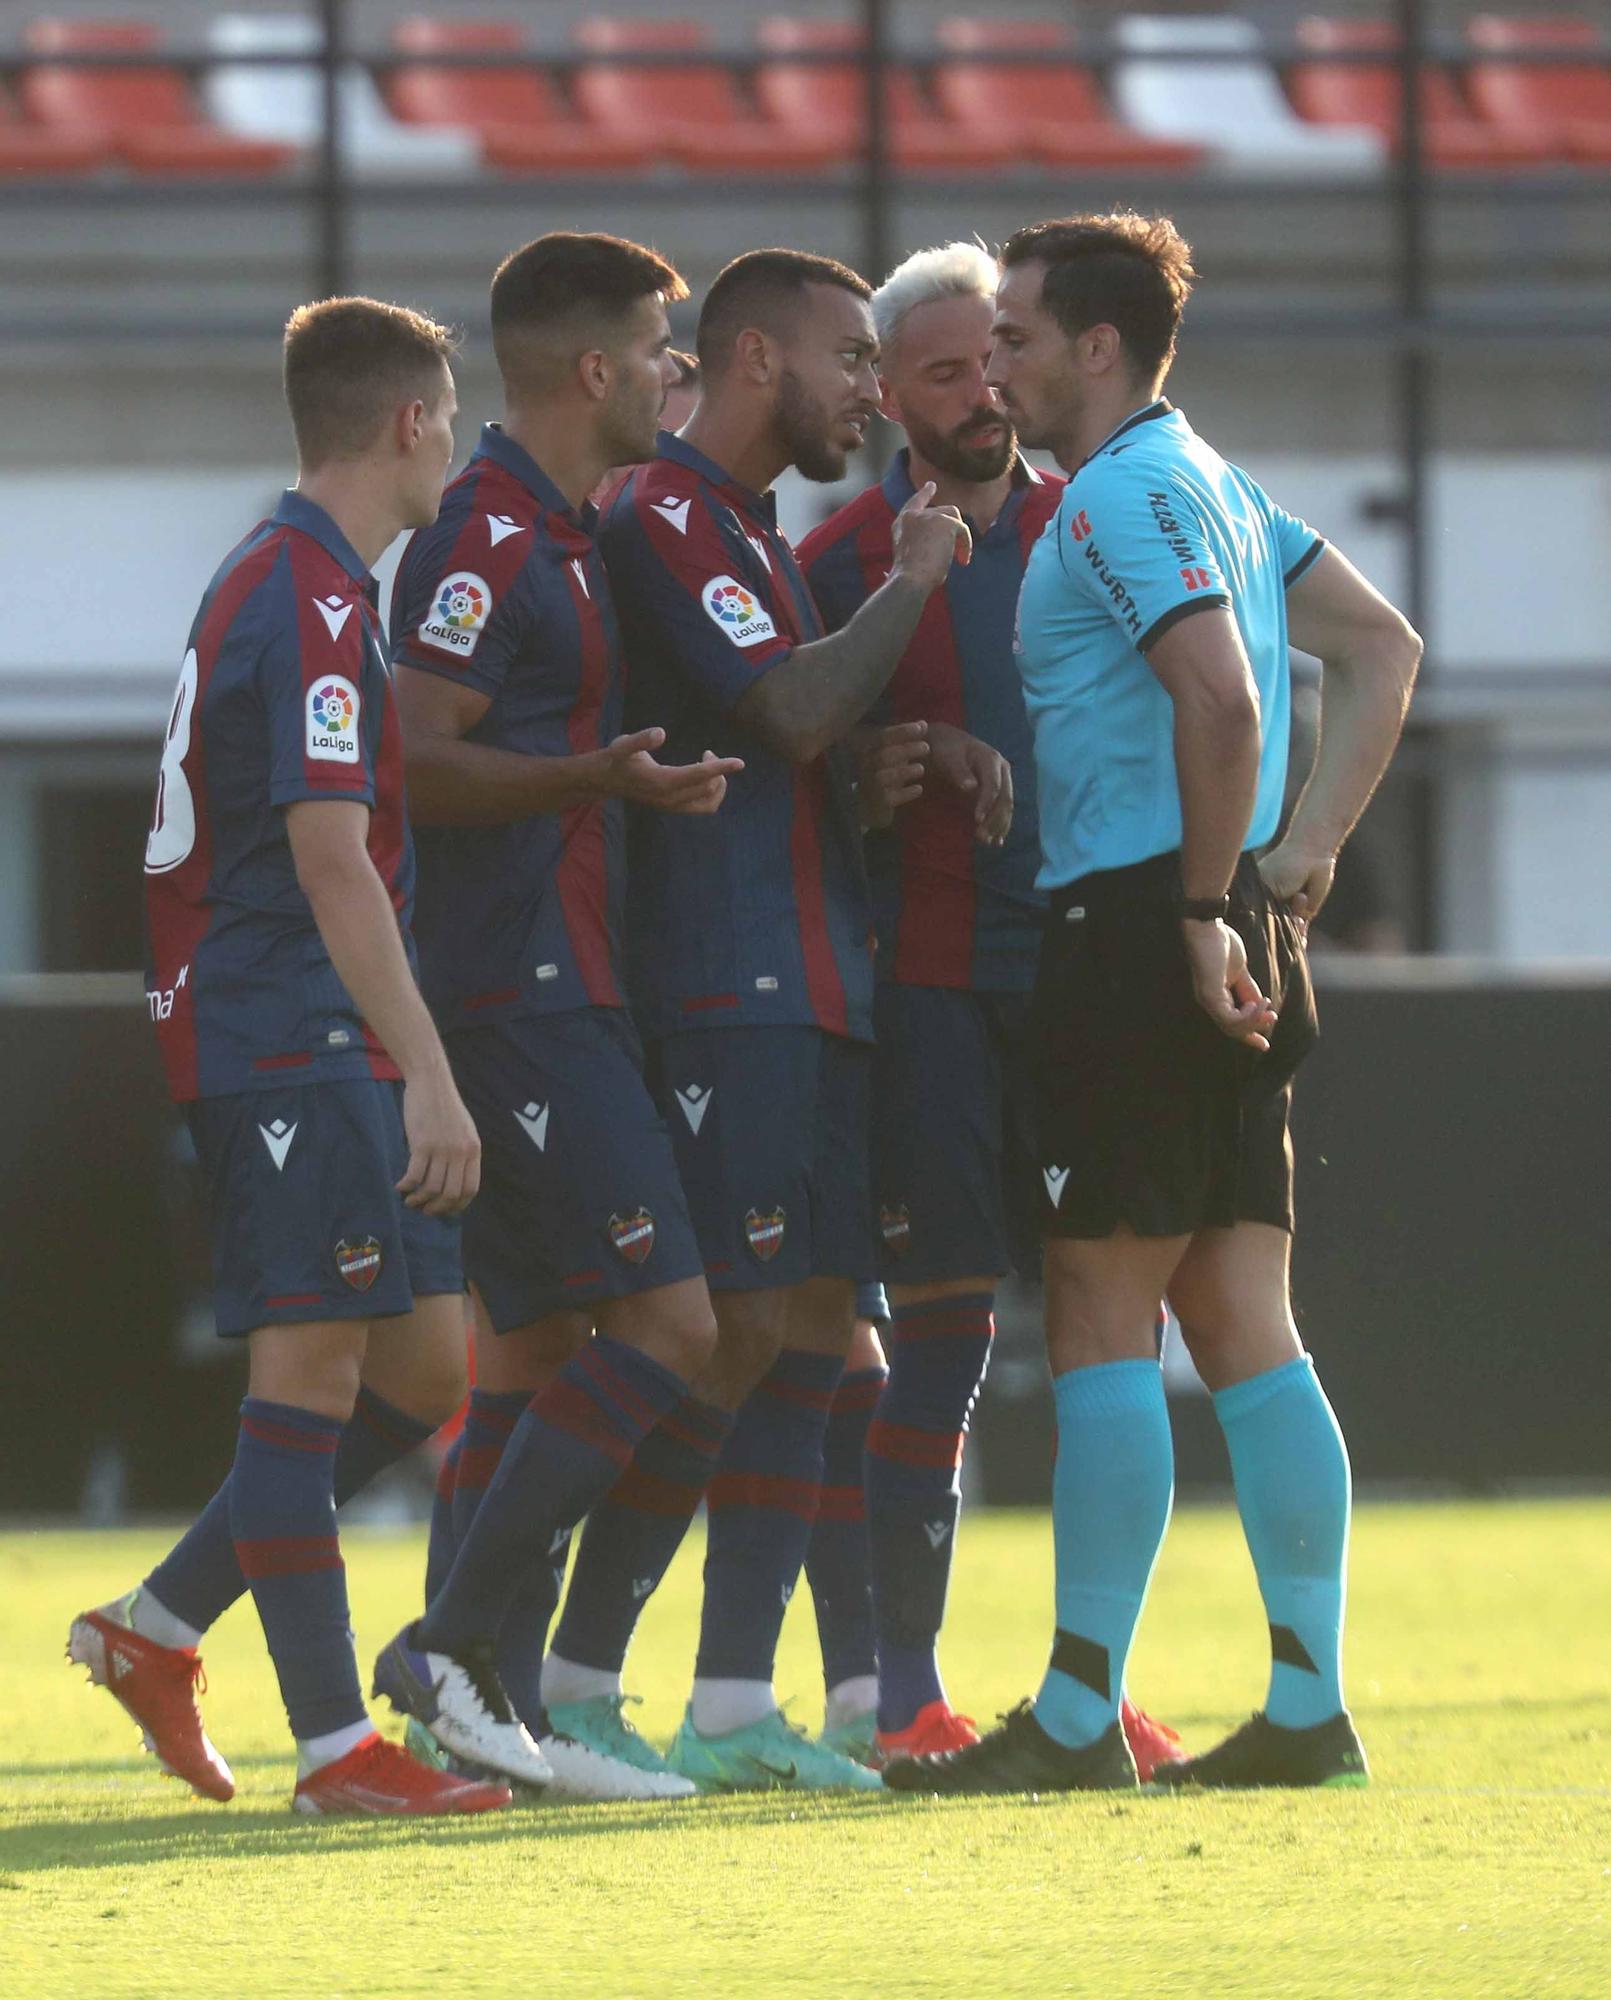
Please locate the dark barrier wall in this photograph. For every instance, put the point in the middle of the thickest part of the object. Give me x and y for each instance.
(1452, 1273)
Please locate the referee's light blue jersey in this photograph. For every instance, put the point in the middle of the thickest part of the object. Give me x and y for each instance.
(1152, 527)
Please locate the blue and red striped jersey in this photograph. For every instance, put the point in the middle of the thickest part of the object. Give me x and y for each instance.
(759, 914)
(949, 911)
(507, 594)
(284, 695)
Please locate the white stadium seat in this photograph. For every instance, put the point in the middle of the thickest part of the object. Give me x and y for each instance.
(286, 101)
(1236, 107)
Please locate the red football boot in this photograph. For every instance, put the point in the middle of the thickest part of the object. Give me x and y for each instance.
(158, 1686)
(1151, 1743)
(381, 1778)
(935, 1727)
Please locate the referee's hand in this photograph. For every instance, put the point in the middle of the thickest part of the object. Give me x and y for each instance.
(1226, 991)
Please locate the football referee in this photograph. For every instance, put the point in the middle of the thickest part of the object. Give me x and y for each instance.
(1173, 1002)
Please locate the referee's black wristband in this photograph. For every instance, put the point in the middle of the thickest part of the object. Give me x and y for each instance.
(1203, 909)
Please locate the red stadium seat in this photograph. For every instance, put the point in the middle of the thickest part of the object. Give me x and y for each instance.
(1572, 100)
(1368, 94)
(1050, 101)
(28, 150)
(514, 110)
(146, 113)
(694, 113)
(829, 98)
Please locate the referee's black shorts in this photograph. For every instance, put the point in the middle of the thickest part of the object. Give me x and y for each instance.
(1149, 1116)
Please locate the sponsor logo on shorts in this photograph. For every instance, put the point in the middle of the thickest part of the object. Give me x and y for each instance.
(633, 1235)
(936, 1532)
(533, 1121)
(735, 610)
(695, 1101)
(332, 720)
(765, 1232)
(1056, 1179)
(459, 612)
(895, 1226)
(358, 1261)
(277, 1137)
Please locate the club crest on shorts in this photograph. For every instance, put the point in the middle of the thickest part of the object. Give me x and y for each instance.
(358, 1261)
(765, 1232)
(633, 1235)
(895, 1226)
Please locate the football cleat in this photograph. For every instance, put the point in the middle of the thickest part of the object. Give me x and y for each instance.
(935, 1728)
(382, 1779)
(854, 1737)
(596, 1753)
(1020, 1757)
(158, 1686)
(461, 1702)
(1151, 1743)
(766, 1756)
(1262, 1753)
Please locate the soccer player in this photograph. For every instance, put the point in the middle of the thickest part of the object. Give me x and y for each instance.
(510, 687)
(1173, 1002)
(750, 947)
(279, 880)
(959, 921)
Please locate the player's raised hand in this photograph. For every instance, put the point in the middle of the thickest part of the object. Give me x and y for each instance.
(679, 788)
(1226, 991)
(890, 766)
(981, 774)
(444, 1148)
(929, 539)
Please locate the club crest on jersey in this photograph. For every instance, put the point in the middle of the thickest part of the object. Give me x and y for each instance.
(765, 1232)
(633, 1235)
(895, 1226)
(459, 612)
(332, 716)
(358, 1261)
(736, 612)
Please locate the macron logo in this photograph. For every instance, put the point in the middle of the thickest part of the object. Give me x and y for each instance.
(695, 1102)
(501, 526)
(533, 1121)
(674, 511)
(277, 1137)
(936, 1532)
(1056, 1179)
(334, 613)
(580, 575)
(641, 1587)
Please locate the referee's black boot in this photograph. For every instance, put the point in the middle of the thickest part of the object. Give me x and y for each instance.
(1020, 1757)
(1262, 1753)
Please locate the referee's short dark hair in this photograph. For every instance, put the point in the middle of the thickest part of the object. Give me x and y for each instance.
(765, 289)
(566, 278)
(1130, 272)
(349, 363)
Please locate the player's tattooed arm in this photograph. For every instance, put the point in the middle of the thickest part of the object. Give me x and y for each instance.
(453, 781)
(817, 695)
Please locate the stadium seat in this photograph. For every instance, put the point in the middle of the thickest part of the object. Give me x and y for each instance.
(285, 101)
(146, 114)
(1047, 97)
(31, 150)
(1369, 94)
(693, 113)
(828, 99)
(1570, 101)
(1235, 106)
(515, 111)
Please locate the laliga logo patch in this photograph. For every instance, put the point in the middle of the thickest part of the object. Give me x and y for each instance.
(735, 611)
(332, 716)
(459, 611)
(765, 1232)
(633, 1235)
(358, 1261)
(895, 1226)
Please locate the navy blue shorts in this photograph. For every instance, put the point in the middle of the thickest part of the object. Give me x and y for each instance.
(953, 1148)
(307, 1222)
(770, 1127)
(580, 1199)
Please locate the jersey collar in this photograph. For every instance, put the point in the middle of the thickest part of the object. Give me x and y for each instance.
(496, 443)
(898, 487)
(297, 511)
(763, 506)
(1162, 407)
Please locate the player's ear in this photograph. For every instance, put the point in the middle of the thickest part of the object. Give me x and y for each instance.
(1101, 348)
(888, 401)
(755, 355)
(595, 373)
(410, 428)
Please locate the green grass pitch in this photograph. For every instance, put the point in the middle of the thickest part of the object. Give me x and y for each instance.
(1477, 1866)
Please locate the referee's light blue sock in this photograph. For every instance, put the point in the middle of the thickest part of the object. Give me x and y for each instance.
(1292, 1486)
(1111, 1495)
